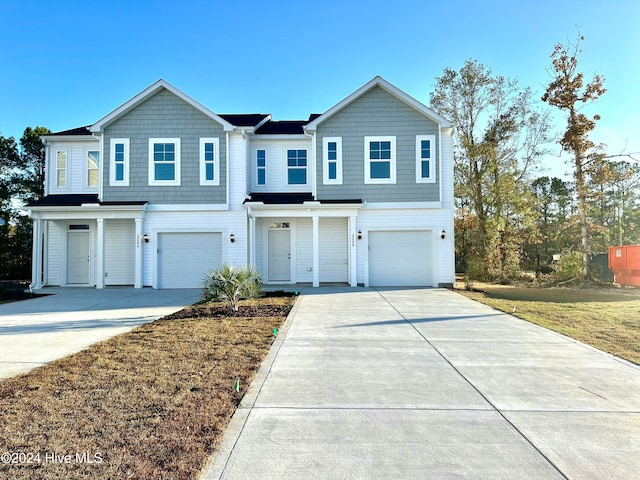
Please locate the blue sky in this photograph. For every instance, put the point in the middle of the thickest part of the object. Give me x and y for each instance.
(68, 63)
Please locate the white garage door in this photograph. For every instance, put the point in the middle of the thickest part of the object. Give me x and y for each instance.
(333, 250)
(400, 258)
(184, 258)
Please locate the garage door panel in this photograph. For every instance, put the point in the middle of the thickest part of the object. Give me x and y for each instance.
(184, 258)
(400, 258)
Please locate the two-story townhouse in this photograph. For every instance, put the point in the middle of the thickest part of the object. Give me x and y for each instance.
(162, 189)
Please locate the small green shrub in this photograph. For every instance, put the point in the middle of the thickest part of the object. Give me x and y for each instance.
(230, 284)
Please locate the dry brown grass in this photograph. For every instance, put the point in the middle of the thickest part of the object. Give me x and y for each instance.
(152, 403)
(606, 318)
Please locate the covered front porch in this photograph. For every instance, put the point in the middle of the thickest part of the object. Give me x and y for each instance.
(309, 243)
(83, 242)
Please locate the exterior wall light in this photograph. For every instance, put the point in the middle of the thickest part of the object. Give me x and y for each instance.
(145, 238)
(232, 238)
(443, 234)
(359, 234)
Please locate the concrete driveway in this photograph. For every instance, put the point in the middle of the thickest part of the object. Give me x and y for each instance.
(425, 383)
(36, 331)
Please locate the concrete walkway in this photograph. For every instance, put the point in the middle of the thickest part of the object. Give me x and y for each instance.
(36, 331)
(424, 383)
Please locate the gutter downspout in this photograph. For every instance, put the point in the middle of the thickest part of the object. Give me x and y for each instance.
(314, 184)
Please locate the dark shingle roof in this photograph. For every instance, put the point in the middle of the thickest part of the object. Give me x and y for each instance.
(244, 119)
(285, 127)
(280, 198)
(74, 131)
(75, 200)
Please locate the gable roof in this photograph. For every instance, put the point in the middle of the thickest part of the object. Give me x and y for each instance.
(389, 88)
(147, 93)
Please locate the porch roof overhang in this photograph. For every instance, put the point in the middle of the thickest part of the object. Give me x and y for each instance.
(311, 208)
(83, 206)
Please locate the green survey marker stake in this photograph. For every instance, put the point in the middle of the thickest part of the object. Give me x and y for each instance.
(236, 386)
(296, 293)
(275, 331)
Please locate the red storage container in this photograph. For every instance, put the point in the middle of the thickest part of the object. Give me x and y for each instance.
(624, 262)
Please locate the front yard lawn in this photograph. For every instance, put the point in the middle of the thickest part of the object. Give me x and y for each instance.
(606, 318)
(151, 403)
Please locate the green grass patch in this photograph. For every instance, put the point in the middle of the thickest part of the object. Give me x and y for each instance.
(608, 319)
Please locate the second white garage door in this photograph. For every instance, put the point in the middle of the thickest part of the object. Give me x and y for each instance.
(400, 258)
(184, 258)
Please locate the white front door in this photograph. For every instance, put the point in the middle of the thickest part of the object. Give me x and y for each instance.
(279, 256)
(78, 257)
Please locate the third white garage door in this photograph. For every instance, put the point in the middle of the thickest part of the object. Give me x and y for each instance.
(400, 258)
(184, 258)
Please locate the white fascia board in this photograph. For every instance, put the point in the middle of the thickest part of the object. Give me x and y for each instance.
(391, 89)
(68, 138)
(307, 209)
(277, 136)
(89, 212)
(146, 93)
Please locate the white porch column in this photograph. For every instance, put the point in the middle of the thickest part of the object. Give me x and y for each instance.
(36, 266)
(252, 241)
(316, 244)
(137, 281)
(100, 254)
(353, 253)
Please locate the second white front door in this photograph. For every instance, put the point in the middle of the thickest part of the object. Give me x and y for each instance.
(78, 257)
(279, 256)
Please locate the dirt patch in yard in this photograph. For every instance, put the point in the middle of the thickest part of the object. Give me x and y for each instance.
(151, 403)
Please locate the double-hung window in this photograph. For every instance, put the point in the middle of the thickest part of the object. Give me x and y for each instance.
(93, 168)
(297, 167)
(61, 168)
(164, 161)
(209, 161)
(119, 162)
(379, 159)
(425, 158)
(261, 167)
(332, 160)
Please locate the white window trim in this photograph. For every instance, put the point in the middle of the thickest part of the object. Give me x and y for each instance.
(432, 160)
(325, 161)
(86, 167)
(66, 168)
(112, 162)
(216, 162)
(164, 183)
(367, 160)
(258, 168)
(287, 167)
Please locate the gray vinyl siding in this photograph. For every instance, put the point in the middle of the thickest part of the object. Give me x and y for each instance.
(377, 113)
(164, 115)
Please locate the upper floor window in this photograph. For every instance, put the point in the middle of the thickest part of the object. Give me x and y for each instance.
(119, 162)
(164, 161)
(379, 159)
(61, 168)
(425, 158)
(332, 160)
(261, 164)
(297, 167)
(209, 161)
(93, 168)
